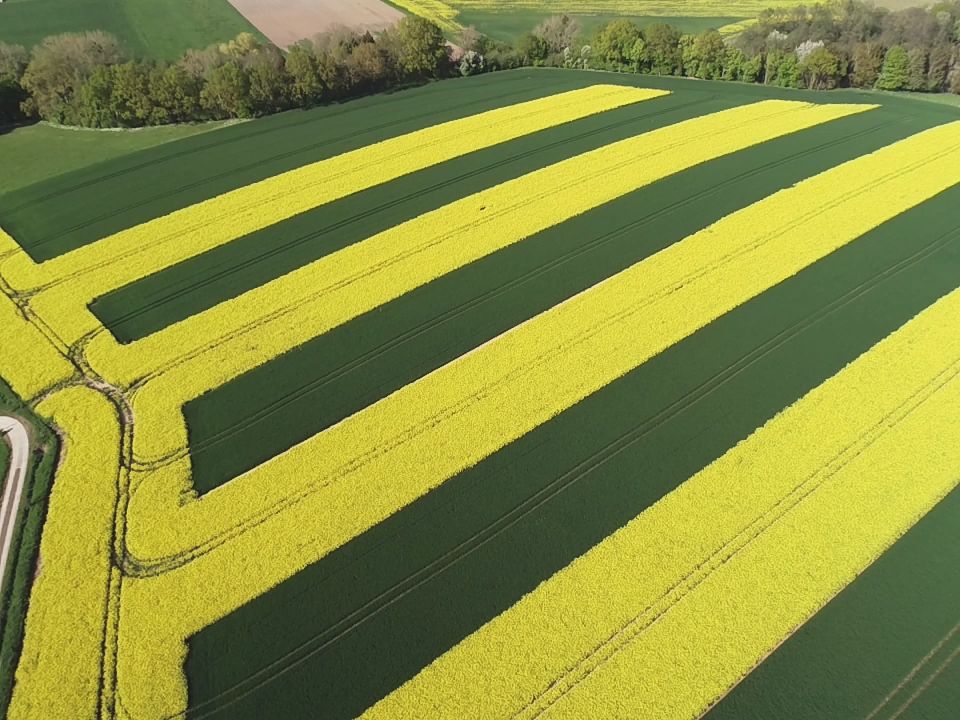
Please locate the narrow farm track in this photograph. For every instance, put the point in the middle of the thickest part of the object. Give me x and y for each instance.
(14, 432)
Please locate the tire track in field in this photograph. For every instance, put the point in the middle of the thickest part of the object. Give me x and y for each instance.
(286, 245)
(627, 633)
(914, 671)
(927, 684)
(454, 313)
(221, 142)
(475, 542)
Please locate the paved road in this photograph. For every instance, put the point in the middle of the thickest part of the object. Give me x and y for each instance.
(15, 433)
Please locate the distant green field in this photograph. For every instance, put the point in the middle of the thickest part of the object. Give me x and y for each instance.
(506, 19)
(508, 24)
(40, 152)
(160, 29)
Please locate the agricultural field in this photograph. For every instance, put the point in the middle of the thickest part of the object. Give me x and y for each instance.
(42, 151)
(160, 29)
(537, 393)
(508, 19)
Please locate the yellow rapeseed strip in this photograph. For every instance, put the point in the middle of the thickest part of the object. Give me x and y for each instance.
(60, 667)
(134, 253)
(662, 617)
(519, 656)
(269, 320)
(28, 362)
(385, 456)
(437, 12)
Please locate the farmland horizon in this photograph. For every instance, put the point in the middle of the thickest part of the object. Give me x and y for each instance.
(609, 370)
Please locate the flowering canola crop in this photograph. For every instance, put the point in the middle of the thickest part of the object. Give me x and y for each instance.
(90, 271)
(505, 388)
(126, 532)
(59, 675)
(797, 511)
(435, 11)
(206, 350)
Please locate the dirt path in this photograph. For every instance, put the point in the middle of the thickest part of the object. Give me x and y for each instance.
(286, 21)
(15, 433)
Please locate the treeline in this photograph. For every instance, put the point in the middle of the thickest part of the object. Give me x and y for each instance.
(86, 79)
(841, 44)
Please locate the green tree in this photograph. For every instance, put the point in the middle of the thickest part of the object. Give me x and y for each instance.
(867, 62)
(706, 56)
(734, 64)
(13, 63)
(176, 95)
(617, 45)
(753, 69)
(820, 70)
(269, 82)
(131, 102)
(663, 49)
(422, 51)
(896, 70)
(60, 65)
(227, 92)
(94, 101)
(306, 88)
(533, 49)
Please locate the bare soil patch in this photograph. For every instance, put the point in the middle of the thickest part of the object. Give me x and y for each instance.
(286, 21)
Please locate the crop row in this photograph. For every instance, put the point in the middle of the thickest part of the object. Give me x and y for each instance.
(90, 271)
(617, 321)
(796, 512)
(370, 465)
(205, 351)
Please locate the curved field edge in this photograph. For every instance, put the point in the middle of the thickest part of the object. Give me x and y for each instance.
(44, 447)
